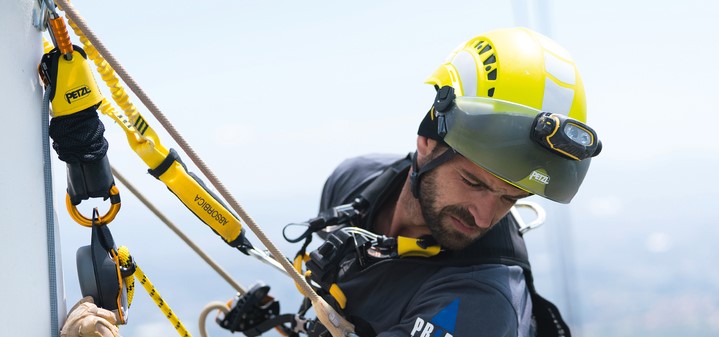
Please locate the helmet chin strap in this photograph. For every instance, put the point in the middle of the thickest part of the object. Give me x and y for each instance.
(417, 172)
(442, 103)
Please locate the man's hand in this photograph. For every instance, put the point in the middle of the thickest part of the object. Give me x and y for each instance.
(87, 320)
(72, 85)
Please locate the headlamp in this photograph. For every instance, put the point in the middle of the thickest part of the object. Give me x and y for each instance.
(565, 136)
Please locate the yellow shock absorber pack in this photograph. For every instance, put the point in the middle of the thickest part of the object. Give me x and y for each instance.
(164, 164)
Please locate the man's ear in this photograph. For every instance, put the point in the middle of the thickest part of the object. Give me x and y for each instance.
(425, 146)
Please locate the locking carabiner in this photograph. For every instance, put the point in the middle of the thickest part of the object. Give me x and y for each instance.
(101, 220)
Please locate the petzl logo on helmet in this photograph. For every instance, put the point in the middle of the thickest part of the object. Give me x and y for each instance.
(77, 93)
(539, 177)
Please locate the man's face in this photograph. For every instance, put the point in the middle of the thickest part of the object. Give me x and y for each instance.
(460, 201)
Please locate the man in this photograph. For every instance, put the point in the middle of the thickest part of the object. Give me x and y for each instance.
(484, 145)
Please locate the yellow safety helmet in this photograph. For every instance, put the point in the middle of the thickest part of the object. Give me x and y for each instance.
(516, 107)
(516, 65)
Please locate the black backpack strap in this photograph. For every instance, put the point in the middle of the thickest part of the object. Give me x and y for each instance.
(387, 180)
(382, 187)
(549, 321)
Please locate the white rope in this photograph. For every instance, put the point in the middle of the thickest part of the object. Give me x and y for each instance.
(206, 311)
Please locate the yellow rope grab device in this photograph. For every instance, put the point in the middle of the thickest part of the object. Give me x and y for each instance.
(61, 39)
(166, 166)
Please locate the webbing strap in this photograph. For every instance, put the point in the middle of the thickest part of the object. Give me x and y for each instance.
(385, 181)
(270, 324)
(417, 172)
(166, 164)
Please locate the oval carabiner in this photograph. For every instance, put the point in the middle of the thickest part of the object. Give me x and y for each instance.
(101, 220)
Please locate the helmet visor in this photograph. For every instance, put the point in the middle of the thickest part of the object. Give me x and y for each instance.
(495, 135)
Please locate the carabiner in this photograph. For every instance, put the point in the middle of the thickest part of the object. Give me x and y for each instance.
(538, 210)
(101, 220)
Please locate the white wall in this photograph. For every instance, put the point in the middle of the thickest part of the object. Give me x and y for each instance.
(24, 283)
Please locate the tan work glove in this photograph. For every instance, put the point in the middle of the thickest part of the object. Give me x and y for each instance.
(87, 320)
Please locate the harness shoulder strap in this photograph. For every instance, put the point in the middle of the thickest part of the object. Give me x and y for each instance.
(377, 192)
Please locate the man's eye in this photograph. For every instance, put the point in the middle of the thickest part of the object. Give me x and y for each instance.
(510, 200)
(473, 184)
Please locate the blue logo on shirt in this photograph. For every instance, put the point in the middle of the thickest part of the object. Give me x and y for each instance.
(441, 325)
(447, 318)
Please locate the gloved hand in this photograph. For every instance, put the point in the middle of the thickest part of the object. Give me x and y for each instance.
(87, 320)
(72, 85)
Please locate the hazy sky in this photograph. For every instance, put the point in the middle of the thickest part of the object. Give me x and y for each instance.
(274, 94)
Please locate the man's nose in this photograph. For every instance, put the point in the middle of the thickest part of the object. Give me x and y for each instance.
(484, 209)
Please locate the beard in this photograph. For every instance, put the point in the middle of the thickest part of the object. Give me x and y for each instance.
(439, 218)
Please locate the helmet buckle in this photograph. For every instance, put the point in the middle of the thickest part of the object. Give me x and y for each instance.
(442, 103)
(444, 99)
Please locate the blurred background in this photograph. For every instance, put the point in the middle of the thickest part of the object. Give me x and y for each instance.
(274, 94)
